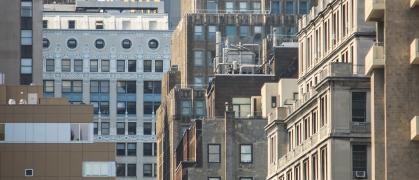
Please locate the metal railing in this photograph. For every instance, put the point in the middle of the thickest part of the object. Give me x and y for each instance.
(358, 69)
(305, 98)
(190, 86)
(216, 11)
(280, 36)
(360, 127)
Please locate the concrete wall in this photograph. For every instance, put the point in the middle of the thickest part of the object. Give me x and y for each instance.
(267, 91)
(287, 88)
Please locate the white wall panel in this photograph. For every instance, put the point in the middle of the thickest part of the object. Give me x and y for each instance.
(19, 132)
(9, 132)
(29, 132)
(39, 132)
(63, 133)
(51, 132)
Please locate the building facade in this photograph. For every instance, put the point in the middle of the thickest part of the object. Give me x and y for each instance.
(49, 138)
(392, 65)
(193, 47)
(326, 133)
(20, 55)
(115, 63)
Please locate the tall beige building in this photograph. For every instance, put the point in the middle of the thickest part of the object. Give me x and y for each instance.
(392, 65)
(325, 133)
(21, 40)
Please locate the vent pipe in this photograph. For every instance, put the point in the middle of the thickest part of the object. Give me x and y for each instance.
(274, 38)
(217, 51)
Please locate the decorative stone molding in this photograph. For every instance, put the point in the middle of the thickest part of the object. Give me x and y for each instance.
(124, 138)
(360, 127)
(102, 76)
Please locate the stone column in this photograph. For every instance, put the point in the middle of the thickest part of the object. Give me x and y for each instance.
(86, 91)
(57, 88)
(230, 146)
(377, 125)
(139, 106)
(112, 105)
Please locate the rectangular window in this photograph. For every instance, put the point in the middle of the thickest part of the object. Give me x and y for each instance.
(2, 132)
(157, 87)
(93, 66)
(359, 161)
(289, 7)
(305, 170)
(210, 58)
(214, 178)
(314, 167)
(95, 128)
(104, 86)
(243, 6)
(186, 107)
(199, 107)
(147, 171)
(214, 155)
(230, 31)
(72, 86)
(71, 24)
(66, 87)
(96, 169)
(120, 170)
(132, 66)
(95, 107)
(99, 24)
(105, 128)
(273, 101)
(120, 149)
(158, 66)
(104, 107)
(120, 128)
(26, 66)
(257, 7)
(257, 33)
(77, 87)
(246, 178)
(26, 37)
(241, 106)
(244, 31)
(78, 65)
(131, 106)
(120, 107)
(303, 7)
(297, 172)
(324, 163)
(273, 149)
(132, 149)
(156, 106)
(148, 107)
(290, 31)
(198, 82)
(26, 9)
(147, 65)
(359, 106)
(79, 132)
(147, 128)
(246, 153)
(229, 7)
(198, 58)
(105, 66)
(132, 169)
(155, 149)
(155, 170)
(211, 32)
(120, 66)
(49, 87)
(148, 149)
(275, 7)
(132, 128)
(212, 7)
(126, 87)
(148, 87)
(94, 86)
(65, 65)
(198, 34)
(45, 24)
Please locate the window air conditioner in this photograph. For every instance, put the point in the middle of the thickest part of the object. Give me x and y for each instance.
(360, 174)
(267, 11)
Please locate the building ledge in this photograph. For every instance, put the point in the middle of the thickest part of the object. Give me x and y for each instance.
(414, 50)
(414, 3)
(374, 10)
(414, 129)
(375, 58)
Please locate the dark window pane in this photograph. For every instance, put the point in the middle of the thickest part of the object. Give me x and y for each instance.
(147, 128)
(72, 43)
(120, 107)
(131, 106)
(359, 158)
(65, 65)
(104, 86)
(156, 106)
(131, 87)
(132, 169)
(45, 24)
(95, 107)
(99, 43)
(157, 87)
(148, 107)
(120, 128)
(132, 149)
(94, 86)
(147, 65)
(26, 51)
(95, 128)
(93, 66)
(213, 153)
(147, 170)
(126, 44)
(71, 24)
(132, 66)
(105, 66)
(121, 87)
(148, 87)
(148, 149)
(78, 65)
(45, 43)
(26, 23)
(104, 107)
(120, 170)
(25, 79)
(159, 66)
(153, 44)
(120, 66)
(155, 149)
(120, 149)
(132, 128)
(50, 65)
(105, 128)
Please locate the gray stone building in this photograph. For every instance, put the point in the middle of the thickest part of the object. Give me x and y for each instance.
(392, 64)
(20, 50)
(222, 148)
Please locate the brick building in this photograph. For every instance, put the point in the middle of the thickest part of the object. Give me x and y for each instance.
(392, 64)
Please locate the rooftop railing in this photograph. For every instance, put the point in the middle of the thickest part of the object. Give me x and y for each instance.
(190, 86)
(216, 11)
